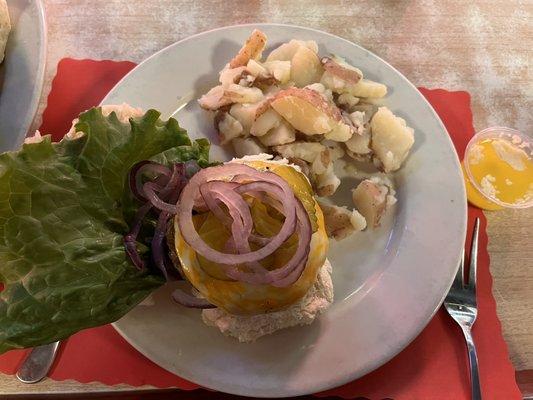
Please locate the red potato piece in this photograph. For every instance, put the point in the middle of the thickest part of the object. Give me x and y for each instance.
(335, 149)
(327, 183)
(341, 77)
(306, 110)
(341, 222)
(266, 121)
(305, 67)
(252, 49)
(337, 221)
(220, 96)
(214, 99)
(319, 88)
(339, 68)
(322, 162)
(240, 94)
(231, 75)
(370, 200)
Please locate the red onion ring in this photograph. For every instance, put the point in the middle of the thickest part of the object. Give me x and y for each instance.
(290, 272)
(131, 237)
(207, 196)
(187, 300)
(241, 219)
(168, 185)
(191, 236)
(136, 172)
(150, 190)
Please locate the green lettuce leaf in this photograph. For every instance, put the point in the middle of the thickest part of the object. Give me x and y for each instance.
(62, 220)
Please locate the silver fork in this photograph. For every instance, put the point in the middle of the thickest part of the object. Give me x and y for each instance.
(462, 306)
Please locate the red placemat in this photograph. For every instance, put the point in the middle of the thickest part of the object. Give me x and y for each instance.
(433, 366)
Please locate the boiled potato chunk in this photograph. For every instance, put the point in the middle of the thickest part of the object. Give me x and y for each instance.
(391, 139)
(251, 50)
(338, 67)
(340, 133)
(245, 114)
(326, 184)
(368, 88)
(220, 96)
(228, 127)
(280, 70)
(286, 51)
(370, 200)
(359, 144)
(306, 151)
(266, 121)
(306, 110)
(342, 78)
(256, 69)
(231, 75)
(341, 222)
(282, 134)
(347, 100)
(305, 67)
(247, 146)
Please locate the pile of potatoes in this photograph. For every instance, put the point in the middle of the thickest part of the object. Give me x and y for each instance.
(312, 111)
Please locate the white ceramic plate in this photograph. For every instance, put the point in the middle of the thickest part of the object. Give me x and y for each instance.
(388, 282)
(22, 71)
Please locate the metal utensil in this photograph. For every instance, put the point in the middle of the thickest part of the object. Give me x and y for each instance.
(462, 306)
(37, 363)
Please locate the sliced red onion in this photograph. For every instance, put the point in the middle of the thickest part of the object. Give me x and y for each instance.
(130, 240)
(241, 219)
(151, 189)
(157, 243)
(135, 176)
(210, 189)
(164, 187)
(290, 272)
(171, 194)
(188, 300)
(186, 204)
(191, 168)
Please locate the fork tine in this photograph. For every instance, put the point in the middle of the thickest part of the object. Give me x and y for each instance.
(472, 276)
(459, 276)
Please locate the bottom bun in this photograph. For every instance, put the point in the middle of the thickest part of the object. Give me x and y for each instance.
(248, 328)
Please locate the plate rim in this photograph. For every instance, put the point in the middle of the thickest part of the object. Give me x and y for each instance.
(423, 322)
(43, 57)
(33, 106)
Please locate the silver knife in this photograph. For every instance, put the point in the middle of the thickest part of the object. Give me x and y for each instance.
(37, 363)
